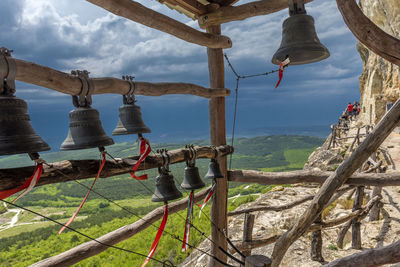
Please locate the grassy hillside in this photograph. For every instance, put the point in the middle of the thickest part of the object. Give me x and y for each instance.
(33, 239)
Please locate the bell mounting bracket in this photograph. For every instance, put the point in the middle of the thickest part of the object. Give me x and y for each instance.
(84, 99)
(166, 158)
(8, 71)
(191, 159)
(129, 98)
(296, 7)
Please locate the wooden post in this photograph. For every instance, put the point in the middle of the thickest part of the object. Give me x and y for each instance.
(218, 136)
(316, 243)
(356, 224)
(248, 231)
(377, 191)
(258, 261)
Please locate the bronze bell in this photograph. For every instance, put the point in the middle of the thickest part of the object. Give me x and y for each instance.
(214, 172)
(85, 130)
(130, 121)
(192, 180)
(299, 39)
(16, 132)
(165, 188)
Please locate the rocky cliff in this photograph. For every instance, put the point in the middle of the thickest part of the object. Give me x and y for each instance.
(379, 82)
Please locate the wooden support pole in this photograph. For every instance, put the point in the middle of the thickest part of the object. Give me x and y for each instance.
(375, 211)
(337, 179)
(136, 12)
(65, 83)
(248, 231)
(218, 137)
(316, 243)
(69, 170)
(305, 176)
(241, 12)
(92, 248)
(356, 224)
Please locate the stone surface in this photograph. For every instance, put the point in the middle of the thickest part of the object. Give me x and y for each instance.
(379, 82)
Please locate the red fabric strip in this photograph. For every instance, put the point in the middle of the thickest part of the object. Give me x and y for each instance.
(210, 193)
(37, 173)
(282, 65)
(144, 150)
(103, 155)
(186, 234)
(158, 235)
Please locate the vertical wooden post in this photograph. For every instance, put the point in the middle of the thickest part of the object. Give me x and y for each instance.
(316, 243)
(248, 231)
(218, 137)
(356, 225)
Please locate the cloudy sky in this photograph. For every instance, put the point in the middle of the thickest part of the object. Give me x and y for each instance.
(74, 34)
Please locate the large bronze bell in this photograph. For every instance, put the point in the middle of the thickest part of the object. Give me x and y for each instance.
(16, 132)
(85, 130)
(165, 188)
(299, 39)
(192, 180)
(214, 172)
(130, 121)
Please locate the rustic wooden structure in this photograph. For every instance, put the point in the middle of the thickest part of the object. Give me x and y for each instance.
(211, 14)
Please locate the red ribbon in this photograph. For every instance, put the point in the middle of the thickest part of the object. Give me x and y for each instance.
(158, 236)
(144, 150)
(29, 184)
(210, 193)
(282, 65)
(103, 155)
(188, 223)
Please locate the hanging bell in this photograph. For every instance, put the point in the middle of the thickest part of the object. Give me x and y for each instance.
(16, 133)
(191, 179)
(299, 39)
(165, 188)
(214, 172)
(85, 130)
(130, 121)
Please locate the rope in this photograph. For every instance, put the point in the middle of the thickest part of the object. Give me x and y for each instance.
(238, 77)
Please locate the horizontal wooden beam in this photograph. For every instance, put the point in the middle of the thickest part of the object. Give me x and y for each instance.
(136, 12)
(241, 12)
(295, 177)
(68, 84)
(69, 170)
(92, 248)
(369, 34)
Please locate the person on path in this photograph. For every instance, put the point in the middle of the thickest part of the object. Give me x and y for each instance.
(349, 110)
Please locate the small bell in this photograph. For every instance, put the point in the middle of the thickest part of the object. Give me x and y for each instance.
(191, 179)
(130, 121)
(16, 132)
(214, 172)
(299, 39)
(165, 188)
(85, 130)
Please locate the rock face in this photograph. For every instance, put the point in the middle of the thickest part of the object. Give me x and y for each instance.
(379, 83)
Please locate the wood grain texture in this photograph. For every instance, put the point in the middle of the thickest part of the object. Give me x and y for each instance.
(337, 179)
(216, 105)
(68, 84)
(241, 12)
(368, 33)
(92, 248)
(69, 170)
(136, 12)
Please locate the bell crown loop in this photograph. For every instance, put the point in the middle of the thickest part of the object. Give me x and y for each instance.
(296, 7)
(8, 72)
(84, 99)
(129, 98)
(191, 158)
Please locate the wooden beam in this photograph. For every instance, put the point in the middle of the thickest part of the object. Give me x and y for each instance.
(241, 12)
(295, 177)
(219, 207)
(342, 173)
(368, 33)
(92, 248)
(370, 257)
(68, 84)
(136, 12)
(69, 170)
(192, 6)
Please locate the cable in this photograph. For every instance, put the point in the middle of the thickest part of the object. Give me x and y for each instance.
(80, 233)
